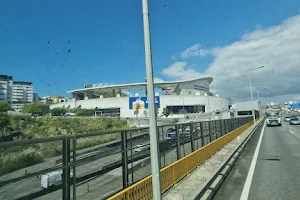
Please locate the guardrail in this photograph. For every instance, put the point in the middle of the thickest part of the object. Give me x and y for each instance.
(171, 174)
(183, 139)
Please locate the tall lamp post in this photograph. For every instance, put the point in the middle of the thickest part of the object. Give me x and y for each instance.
(250, 79)
(260, 104)
(253, 110)
(156, 186)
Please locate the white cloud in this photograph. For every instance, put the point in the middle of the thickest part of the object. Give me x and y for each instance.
(276, 47)
(194, 50)
(181, 70)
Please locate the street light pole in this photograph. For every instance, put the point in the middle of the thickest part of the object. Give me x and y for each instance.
(257, 94)
(156, 186)
(250, 86)
(250, 79)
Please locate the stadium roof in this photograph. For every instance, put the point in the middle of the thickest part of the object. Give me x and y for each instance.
(165, 84)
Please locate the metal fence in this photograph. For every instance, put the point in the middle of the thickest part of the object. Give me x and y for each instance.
(110, 167)
(174, 172)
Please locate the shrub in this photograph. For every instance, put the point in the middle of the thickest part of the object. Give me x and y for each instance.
(13, 161)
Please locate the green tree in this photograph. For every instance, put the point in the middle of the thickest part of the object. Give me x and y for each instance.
(166, 112)
(4, 118)
(58, 111)
(85, 112)
(32, 108)
(45, 108)
(4, 107)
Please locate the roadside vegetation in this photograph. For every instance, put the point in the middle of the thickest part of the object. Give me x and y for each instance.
(13, 127)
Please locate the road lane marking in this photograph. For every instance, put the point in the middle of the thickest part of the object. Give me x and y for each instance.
(291, 132)
(249, 178)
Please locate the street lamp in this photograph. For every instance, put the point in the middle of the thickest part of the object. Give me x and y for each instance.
(156, 186)
(250, 79)
(257, 91)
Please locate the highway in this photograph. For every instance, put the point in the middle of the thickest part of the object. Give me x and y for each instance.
(269, 167)
(32, 184)
(105, 183)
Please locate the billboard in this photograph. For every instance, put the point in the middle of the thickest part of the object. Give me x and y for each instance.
(141, 102)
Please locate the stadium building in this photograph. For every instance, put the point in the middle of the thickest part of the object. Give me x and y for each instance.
(129, 100)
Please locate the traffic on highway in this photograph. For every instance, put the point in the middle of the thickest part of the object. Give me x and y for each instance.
(269, 167)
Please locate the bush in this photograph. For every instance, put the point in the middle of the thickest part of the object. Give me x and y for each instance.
(26, 127)
(13, 161)
(92, 141)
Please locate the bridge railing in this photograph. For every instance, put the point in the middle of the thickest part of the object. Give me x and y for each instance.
(174, 172)
(179, 144)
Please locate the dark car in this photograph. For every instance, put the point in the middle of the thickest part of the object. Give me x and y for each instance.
(294, 121)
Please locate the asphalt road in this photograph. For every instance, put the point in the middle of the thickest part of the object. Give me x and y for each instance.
(276, 174)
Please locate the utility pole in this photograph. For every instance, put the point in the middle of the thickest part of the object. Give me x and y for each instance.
(250, 87)
(156, 186)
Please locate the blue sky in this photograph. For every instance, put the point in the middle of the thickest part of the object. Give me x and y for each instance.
(61, 45)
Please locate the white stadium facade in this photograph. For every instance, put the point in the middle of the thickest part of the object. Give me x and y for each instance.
(179, 97)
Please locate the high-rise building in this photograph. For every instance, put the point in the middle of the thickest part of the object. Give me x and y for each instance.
(22, 93)
(16, 93)
(6, 84)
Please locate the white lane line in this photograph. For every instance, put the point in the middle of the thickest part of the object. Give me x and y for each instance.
(248, 182)
(291, 132)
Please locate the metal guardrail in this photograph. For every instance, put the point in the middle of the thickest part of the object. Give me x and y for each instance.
(171, 174)
(188, 138)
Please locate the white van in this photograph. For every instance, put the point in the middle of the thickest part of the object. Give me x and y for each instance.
(52, 179)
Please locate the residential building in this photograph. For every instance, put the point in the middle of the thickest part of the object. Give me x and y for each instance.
(52, 99)
(22, 94)
(6, 84)
(16, 93)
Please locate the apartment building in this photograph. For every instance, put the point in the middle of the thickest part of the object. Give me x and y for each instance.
(6, 84)
(16, 93)
(22, 93)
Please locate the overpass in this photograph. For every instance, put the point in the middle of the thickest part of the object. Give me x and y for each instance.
(210, 159)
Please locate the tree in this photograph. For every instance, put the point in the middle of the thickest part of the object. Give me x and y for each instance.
(4, 118)
(58, 111)
(32, 108)
(166, 112)
(4, 107)
(45, 108)
(85, 112)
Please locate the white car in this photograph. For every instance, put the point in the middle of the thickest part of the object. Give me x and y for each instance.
(141, 147)
(273, 121)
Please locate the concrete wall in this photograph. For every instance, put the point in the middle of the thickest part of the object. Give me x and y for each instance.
(245, 106)
(211, 103)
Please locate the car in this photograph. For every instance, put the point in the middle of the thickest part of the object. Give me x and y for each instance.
(294, 121)
(287, 118)
(141, 147)
(273, 120)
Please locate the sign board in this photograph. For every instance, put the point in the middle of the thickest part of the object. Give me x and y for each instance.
(141, 102)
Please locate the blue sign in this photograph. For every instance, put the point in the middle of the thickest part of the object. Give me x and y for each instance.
(141, 102)
(295, 105)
